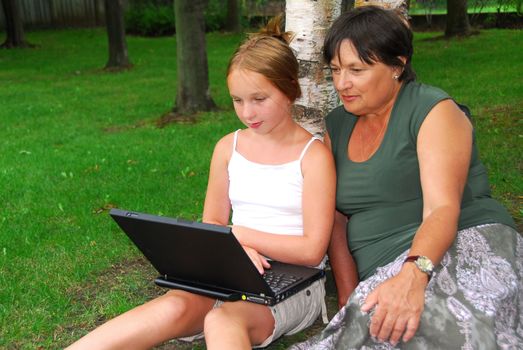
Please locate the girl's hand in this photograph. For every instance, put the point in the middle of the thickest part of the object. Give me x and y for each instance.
(399, 302)
(258, 260)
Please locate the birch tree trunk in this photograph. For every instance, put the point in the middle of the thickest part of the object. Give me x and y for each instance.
(309, 21)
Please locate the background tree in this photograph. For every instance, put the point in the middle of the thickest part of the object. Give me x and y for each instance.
(309, 21)
(193, 93)
(233, 20)
(457, 18)
(402, 6)
(118, 55)
(14, 26)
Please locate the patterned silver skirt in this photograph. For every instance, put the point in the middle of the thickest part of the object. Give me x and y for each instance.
(473, 301)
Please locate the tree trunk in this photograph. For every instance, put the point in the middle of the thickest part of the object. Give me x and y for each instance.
(457, 18)
(193, 93)
(118, 56)
(232, 23)
(14, 25)
(309, 21)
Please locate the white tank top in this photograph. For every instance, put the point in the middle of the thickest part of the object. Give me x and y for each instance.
(266, 197)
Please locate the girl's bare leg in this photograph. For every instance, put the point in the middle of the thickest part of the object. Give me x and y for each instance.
(175, 314)
(237, 325)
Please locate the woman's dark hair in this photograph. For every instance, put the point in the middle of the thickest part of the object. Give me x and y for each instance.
(379, 35)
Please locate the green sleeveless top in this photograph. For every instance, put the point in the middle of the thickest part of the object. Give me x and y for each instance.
(382, 196)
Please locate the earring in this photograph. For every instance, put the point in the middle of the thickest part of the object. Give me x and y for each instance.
(396, 77)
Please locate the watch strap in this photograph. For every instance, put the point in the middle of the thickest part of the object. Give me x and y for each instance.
(414, 259)
(411, 258)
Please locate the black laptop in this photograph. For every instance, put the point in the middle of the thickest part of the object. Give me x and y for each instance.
(207, 259)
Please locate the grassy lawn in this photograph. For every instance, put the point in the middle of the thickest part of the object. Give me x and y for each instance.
(420, 10)
(76, 141)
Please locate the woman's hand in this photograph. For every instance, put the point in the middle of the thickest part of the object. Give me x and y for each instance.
(399, 302)
(258, 260)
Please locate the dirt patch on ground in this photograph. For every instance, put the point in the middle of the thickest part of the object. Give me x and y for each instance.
(84, 296)
(160, 122)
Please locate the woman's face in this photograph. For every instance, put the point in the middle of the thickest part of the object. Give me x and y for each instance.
(363, 89)
(259, 104)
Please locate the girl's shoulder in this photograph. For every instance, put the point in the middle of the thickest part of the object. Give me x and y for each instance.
(315, 149)
(228, 139)
(317, 160)
(225, 145)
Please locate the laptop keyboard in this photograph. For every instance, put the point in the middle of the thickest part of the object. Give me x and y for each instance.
(279, 281)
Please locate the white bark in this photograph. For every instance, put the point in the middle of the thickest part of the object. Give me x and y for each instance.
(309, 21)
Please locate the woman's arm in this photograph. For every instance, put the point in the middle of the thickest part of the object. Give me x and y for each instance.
(444, 152)
(319, 181)
(343, 266)
(341, 261)
(444, 149)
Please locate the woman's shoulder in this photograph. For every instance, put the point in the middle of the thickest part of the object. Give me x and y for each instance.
(422, 93)
(339, 124)
(415, 102)
(338, 118)
(337, 113)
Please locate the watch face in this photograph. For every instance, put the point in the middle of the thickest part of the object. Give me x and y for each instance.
(424, 264)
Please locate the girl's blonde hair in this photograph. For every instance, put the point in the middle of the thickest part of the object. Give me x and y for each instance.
(268, 53)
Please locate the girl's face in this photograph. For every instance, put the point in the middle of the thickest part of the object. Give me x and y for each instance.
(259, 104)
(363, 89)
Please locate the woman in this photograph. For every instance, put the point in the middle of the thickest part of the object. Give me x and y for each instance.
(439, 260)
(275, 176)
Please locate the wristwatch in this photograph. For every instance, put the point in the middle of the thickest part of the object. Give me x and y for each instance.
(422, 262)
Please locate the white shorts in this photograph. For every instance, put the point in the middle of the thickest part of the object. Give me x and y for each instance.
(291, 315)
(298, 312)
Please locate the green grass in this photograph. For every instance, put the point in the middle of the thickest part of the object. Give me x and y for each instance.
(420, 10)
(70, 148)
(75, 141)
(484, 73)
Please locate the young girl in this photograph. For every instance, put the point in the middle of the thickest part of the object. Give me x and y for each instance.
(279, 181)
